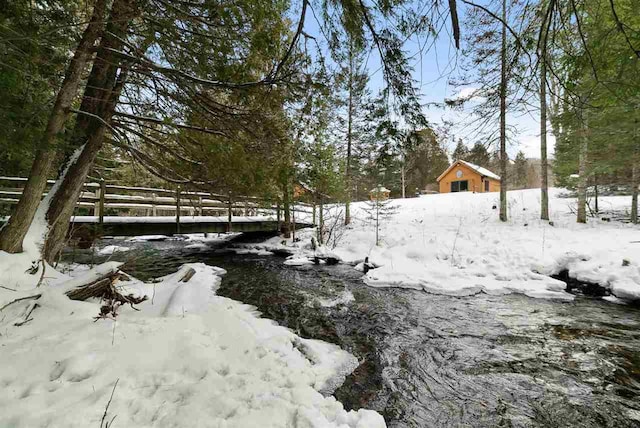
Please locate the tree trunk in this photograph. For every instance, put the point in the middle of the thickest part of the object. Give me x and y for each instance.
(321, 221)
(544, 176)
(582, 179)
(377, 220)
(286, 226)
(100, 99)
(63, 205)
(595, 191)
(635, 181)
(12, 235)
(403, 177)
(347, 211)
(635, 175)
(503, 117)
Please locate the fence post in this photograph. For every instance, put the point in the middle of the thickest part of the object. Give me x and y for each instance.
(178, 209)
(230, 214)
(200, 205)
(313, 207)
(154, 209)
(96, 204)
(103, 190)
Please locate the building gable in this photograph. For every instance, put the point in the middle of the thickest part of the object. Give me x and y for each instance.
(464, 176)
(472, 168)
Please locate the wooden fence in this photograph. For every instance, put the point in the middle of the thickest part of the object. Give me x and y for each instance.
(101, 199)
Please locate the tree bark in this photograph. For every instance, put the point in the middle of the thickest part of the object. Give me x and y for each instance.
(544, 175)
(503, 117)
(635, 181)
(321, 221)
(100, 99)
(347, 211)
(403, 177)
(12, 235)
(595, 192)
(582, 173)
(635, 176)
(286, 225)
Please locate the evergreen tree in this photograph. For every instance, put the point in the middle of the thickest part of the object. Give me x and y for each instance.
(379, 210)
(426, 160)
(596, 112)
(520, 168)
(461, 152)
(479, 155)
(353, 79)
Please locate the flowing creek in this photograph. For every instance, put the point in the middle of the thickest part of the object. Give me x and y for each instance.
(439, 361)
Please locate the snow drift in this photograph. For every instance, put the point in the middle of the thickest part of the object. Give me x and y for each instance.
(187, 358)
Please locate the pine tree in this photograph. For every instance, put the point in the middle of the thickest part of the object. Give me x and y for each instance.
(13, 233)
(379, 210)
(520, 171)
(461, 151)
(354, 79)
(425, 160)
(479, 155)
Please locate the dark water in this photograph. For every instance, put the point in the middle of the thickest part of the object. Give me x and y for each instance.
(437, 361)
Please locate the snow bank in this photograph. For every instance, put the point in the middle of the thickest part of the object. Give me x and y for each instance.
(187, 358)
(112, 249)
(148, 238)
(258, 252)
(302, 251)
(454, 244)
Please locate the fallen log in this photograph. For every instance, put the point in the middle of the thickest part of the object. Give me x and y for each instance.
(94, 289)
(104, 288)
(188, 275)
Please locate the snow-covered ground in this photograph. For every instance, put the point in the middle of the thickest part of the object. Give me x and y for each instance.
(454, 244)
(187, 358)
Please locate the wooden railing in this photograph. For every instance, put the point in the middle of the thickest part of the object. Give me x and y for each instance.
(101, 199)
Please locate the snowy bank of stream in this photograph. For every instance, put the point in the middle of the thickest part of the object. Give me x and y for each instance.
(454, 244)
(187, 358)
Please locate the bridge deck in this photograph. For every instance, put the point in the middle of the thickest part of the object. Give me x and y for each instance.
(167, 225)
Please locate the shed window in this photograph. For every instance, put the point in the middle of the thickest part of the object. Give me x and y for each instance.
(460, 186)
(486, 185)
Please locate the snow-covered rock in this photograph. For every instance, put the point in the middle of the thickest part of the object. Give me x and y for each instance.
(112, 249)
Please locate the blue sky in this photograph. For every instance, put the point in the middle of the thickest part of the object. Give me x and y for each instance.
(432, 70)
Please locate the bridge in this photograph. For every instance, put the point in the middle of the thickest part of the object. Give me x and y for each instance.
(113, 210)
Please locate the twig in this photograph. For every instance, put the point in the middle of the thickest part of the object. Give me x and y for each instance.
(34, 305)
(453, 250)
(44, 267)
(113, 332)
(35, 296)
(106, 409)
(7, 288)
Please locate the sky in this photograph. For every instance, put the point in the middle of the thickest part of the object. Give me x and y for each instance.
(431, 70)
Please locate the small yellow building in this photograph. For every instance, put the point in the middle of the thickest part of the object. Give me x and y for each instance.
(464, 176)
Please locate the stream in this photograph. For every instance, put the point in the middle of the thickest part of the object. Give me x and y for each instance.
(438, 361)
